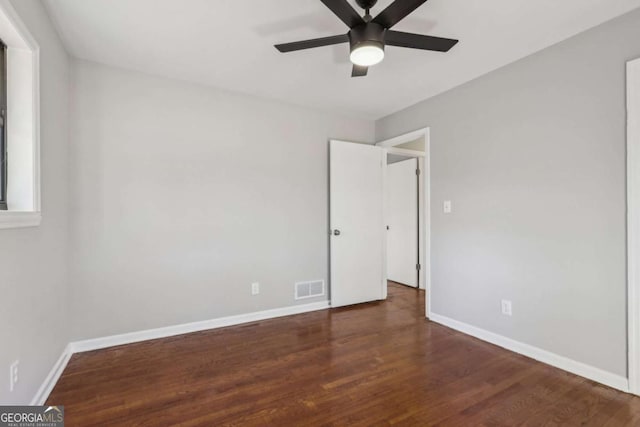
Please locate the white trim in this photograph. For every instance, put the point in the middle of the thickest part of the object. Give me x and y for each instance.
(23, 32)
(633, 223)
(23, 83)
(578, 368)
(404, 138)
(384, 281)
(405, 152)
(186, 328)
(37, 207)
(427, 222)
(54, 375)
(10, 219)
(425, 256)
(150, 334)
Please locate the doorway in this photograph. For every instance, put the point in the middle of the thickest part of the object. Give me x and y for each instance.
(411, 147)
(357, 217)
(402, 217)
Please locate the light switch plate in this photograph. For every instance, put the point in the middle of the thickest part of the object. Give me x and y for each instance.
(506, 307)
(446, 207)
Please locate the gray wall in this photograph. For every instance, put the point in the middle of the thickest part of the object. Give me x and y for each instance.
(183, 195)
(189, 194)
(33, 261)
(533, 158)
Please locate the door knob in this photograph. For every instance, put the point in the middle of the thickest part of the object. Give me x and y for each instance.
(336, 232)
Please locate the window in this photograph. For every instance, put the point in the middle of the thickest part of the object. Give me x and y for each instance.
(19, 122)
(3, 125)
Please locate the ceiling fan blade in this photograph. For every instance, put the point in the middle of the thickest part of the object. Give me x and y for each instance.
(344, 11)
(397, 11)
(309, 44)
(418, 41)
(359, 71)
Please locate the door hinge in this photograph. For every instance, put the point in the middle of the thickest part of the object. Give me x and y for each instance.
(418, 172)
(418, 267)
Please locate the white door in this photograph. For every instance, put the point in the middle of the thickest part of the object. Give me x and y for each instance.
(357, 223)
(402, 220)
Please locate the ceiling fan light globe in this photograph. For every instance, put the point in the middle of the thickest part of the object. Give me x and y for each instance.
(367, 55)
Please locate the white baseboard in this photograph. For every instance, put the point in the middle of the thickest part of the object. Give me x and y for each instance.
(578, 368)
(612, 380)
(168, 331)
(45, 389)
(132, 337)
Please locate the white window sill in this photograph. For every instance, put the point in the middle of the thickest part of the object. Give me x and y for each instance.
(13, 219)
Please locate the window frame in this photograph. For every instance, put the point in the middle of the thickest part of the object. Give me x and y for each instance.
(4, 165)
(23, 133)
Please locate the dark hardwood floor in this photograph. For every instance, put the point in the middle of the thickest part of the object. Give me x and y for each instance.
(368, 365)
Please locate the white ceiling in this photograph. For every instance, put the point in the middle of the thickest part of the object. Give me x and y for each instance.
(229, 44)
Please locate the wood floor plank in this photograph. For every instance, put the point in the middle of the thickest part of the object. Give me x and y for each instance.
(376, 364)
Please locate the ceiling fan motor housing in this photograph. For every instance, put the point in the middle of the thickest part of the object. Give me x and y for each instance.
(369, 34)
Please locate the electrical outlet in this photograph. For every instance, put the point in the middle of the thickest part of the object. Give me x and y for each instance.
(13, 375)
(446, 206)
(506, 307)
(255, 288)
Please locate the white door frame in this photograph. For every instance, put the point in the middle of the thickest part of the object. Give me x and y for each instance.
(633, 223)
(425, 232)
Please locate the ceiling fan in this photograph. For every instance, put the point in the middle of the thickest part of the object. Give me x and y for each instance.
(368, 36)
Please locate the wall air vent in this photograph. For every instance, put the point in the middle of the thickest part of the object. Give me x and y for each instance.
(311, 289)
